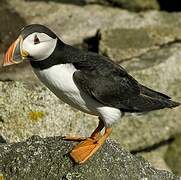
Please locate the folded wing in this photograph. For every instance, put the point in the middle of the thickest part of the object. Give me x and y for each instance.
(112, 86)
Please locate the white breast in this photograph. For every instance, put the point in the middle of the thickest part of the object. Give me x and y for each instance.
(59, 79)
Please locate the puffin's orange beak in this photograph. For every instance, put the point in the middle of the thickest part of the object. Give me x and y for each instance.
(8, 58)
(15, 54)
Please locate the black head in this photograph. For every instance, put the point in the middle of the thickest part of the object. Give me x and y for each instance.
(35, 43)
(30, 29)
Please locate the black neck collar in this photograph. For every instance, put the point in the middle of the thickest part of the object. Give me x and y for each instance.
(53, 59)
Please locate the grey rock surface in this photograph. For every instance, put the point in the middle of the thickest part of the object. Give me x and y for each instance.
(28, 109)
(47, 158)
(75, 23)
(173, 155)
(132, 5)
(18, 72)
(122, 44)
(156, 156)
(72, 23)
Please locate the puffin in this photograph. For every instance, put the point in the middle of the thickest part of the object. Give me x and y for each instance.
(85, 80)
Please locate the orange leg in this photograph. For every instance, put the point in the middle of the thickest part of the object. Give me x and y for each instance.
(97, 131)
(94, 135)
(85, 149)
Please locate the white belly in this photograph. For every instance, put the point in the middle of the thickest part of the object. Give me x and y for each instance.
(59, 79)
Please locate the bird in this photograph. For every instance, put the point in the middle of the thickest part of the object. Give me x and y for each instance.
(85, 80)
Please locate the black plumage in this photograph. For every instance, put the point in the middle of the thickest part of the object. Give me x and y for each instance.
(106, 81)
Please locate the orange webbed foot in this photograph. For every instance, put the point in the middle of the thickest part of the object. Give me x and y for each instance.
(85, 149)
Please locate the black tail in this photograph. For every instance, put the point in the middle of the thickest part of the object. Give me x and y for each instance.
(152, 100)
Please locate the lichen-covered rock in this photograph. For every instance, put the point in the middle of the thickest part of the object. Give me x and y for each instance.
(173, 155)
(27, 109)
(47, 158)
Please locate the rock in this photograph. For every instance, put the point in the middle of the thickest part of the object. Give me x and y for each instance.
(27, 109)
(77, 2)
(75, 23)
(18, 72)
(136, 5)
(173, 155)
(156, 155)
(71, 23)
(123, 44)
(47, 158)
(133, 5)
(9, 28)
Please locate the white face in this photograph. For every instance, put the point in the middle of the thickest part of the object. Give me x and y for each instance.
(39, 45)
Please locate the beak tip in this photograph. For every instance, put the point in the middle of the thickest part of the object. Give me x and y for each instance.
(4, 64)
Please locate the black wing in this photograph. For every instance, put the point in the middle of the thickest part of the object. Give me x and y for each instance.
(112, 86)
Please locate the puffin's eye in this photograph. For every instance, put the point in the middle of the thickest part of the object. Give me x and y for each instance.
(36, 40)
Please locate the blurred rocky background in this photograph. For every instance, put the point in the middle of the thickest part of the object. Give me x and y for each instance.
(144, 36)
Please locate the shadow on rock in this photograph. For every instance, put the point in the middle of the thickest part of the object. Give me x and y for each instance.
(170, 5)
